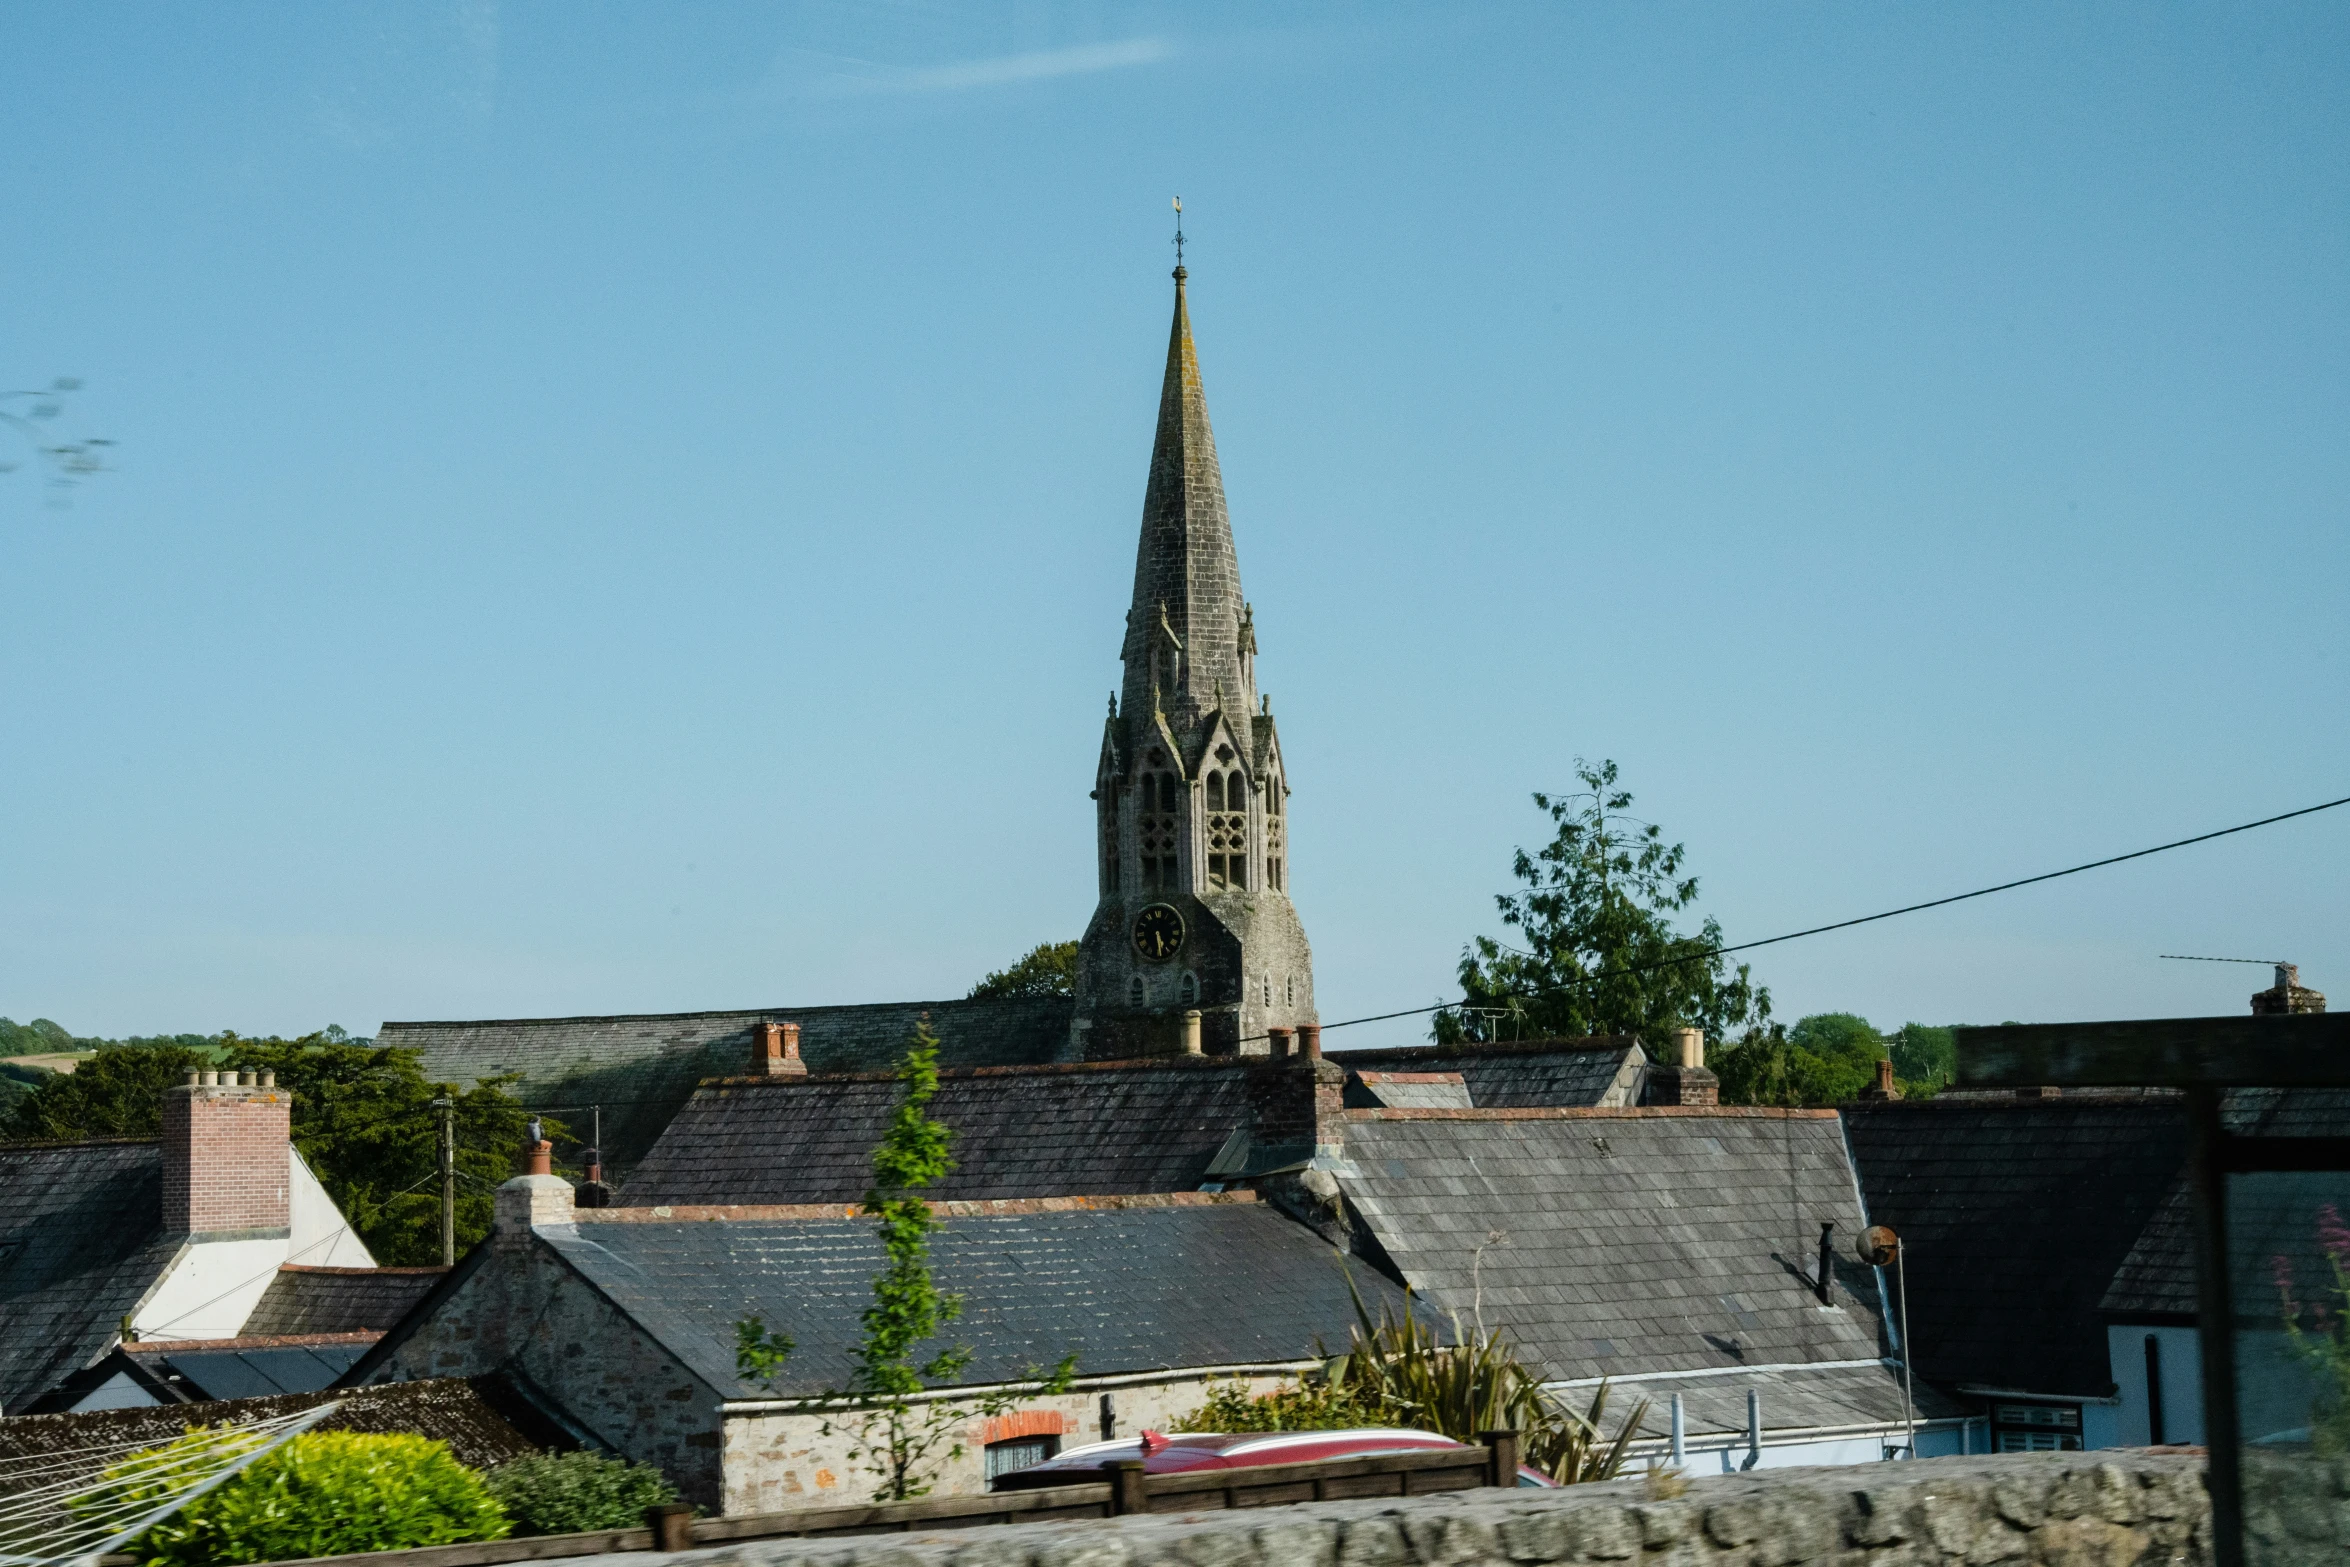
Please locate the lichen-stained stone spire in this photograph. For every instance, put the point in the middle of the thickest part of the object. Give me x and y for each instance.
(1183, 634)
(1194, 944)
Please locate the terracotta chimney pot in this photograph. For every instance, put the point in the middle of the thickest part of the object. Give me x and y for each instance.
(1278, 1039)
(1309, 1041)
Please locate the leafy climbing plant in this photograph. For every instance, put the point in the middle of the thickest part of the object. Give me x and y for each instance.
(899, 1432)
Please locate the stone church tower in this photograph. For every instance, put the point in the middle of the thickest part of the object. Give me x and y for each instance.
(1195, 944)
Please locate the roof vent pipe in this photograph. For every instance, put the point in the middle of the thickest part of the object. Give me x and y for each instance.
(1824, 1286)
(1753, 1428)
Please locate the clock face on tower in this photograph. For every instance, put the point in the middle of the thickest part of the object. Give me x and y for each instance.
(1158, 932)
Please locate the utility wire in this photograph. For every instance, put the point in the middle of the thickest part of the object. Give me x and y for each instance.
(1710, 953)
(2181, 957)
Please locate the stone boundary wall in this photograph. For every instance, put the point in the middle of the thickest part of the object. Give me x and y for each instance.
(2117, 1508)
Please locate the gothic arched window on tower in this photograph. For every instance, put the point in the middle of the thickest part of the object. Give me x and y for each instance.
(1134, 991)
(1190, 991)
(1157, 826)
(1227, 829)
(1275, 876)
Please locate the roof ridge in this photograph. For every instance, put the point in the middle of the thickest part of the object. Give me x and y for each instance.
(1024, 1069)
(150, 1346)
(958, 1208)
(1591, 1113)
(362, 1273)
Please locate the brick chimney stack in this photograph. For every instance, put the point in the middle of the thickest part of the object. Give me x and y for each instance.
(2288, 996)
(1685, 1081)
(227, 1162)
(779, 1051)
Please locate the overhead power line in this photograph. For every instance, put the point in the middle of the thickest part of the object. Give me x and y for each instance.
(2183, 957)
(1709, 953)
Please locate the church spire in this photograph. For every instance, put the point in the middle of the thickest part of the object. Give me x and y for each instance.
(1183, 633)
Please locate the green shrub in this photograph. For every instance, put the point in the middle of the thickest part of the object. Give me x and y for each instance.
(324, 1493)
(565, 1493)
(1305, 1406)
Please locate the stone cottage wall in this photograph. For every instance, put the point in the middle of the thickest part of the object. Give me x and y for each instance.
(523, 1310)
(778, 1462)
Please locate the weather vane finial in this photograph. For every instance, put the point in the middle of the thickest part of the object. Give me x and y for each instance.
(1179, 231)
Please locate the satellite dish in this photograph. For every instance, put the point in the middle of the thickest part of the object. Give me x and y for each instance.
(1878, 1245)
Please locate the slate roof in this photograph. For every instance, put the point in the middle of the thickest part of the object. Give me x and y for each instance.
(2156, 1281)
(1134, 1286)
(303, 1299)
(81, 1243)
(1610, 1242)
(2016, 1215)
(1080, 1130)
(642, 1067)
(245, 1367)
(1406, 1090)
(484, 1421)
(1602, 1070)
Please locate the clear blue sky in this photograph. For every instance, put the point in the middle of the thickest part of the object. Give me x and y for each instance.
(630, 508)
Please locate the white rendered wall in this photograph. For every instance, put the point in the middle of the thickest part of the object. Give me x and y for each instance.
(321, 1237)
(209, 1290)
(211, 1287)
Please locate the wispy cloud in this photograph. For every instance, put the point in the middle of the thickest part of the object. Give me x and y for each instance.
(1008, 70)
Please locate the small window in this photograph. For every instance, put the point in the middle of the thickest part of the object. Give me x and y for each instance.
(2036, 1428)
(1289, 991)
(1190, 990)
(1134, 994)
(1267, 982)
(1022, 1452)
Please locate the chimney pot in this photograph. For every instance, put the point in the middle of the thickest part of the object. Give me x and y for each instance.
(193, 1074)
(542, 1158)
(269, 1079)
(1691, 1042)
(1309, 1041)
(1191, 1033)
(211, 1078)
(1278, 1039)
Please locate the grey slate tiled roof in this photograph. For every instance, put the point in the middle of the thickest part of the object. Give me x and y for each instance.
(642, 1067)
(1123, 1288)
(1602, 1070)
(1608, 1243)
(1406, 1091)
(2016, 1215)
(81, 1243)
(305, 1299)
(2157, 1278)
(1039, 1132)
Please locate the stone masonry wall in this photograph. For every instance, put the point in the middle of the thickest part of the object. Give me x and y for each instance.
(774, 1463)
(2118, 1508)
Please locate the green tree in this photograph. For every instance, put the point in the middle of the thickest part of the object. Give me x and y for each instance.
(901, 1443)
(1924, 1057)
(1600, 953)
(117, 1092)
(1828, 1058)
(363, 1120)
(1049, 969)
